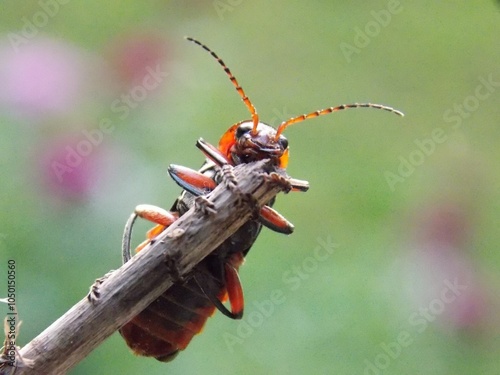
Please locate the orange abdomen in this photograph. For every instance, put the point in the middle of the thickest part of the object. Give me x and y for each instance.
(169, 323)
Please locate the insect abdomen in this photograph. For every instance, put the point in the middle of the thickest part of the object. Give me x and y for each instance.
(169, 323)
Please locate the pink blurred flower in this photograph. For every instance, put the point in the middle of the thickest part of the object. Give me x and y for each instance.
(131, 55)
(44, 77)
(65, 172)
(439, 257)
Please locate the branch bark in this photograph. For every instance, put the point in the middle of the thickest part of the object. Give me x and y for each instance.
(131, 288)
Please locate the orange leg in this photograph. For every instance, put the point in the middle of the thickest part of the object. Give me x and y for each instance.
(190, 180)
(157, 215)
(273, 220)
(234, 291)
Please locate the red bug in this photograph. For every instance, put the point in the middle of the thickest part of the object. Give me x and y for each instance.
(169, 323)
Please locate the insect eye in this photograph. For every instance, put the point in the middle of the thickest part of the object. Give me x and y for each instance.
(242, 129)
(283, 142)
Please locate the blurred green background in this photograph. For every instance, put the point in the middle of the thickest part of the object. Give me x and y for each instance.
(411, 204)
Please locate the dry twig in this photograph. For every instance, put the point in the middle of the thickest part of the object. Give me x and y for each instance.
(130, 289)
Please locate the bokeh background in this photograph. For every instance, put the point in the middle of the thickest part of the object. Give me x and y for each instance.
(96, 99)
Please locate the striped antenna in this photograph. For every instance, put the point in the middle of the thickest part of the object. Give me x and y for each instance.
(239, 89)
(329, 110)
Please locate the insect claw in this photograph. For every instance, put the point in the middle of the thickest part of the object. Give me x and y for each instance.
(205, 206)
(229, 177)
(280, 180)
(10, 362)
(94, 293)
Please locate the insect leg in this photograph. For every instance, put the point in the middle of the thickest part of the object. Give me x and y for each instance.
(212, 152)
(299, 185)
(94, 293)
(235, 291)
(149, 212)
(273, 220)
(190, 180)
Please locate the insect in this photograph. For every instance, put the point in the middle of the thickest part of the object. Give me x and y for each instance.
(169, 323)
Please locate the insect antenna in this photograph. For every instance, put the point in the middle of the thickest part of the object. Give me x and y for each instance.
(239, 89)
(329, 110)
